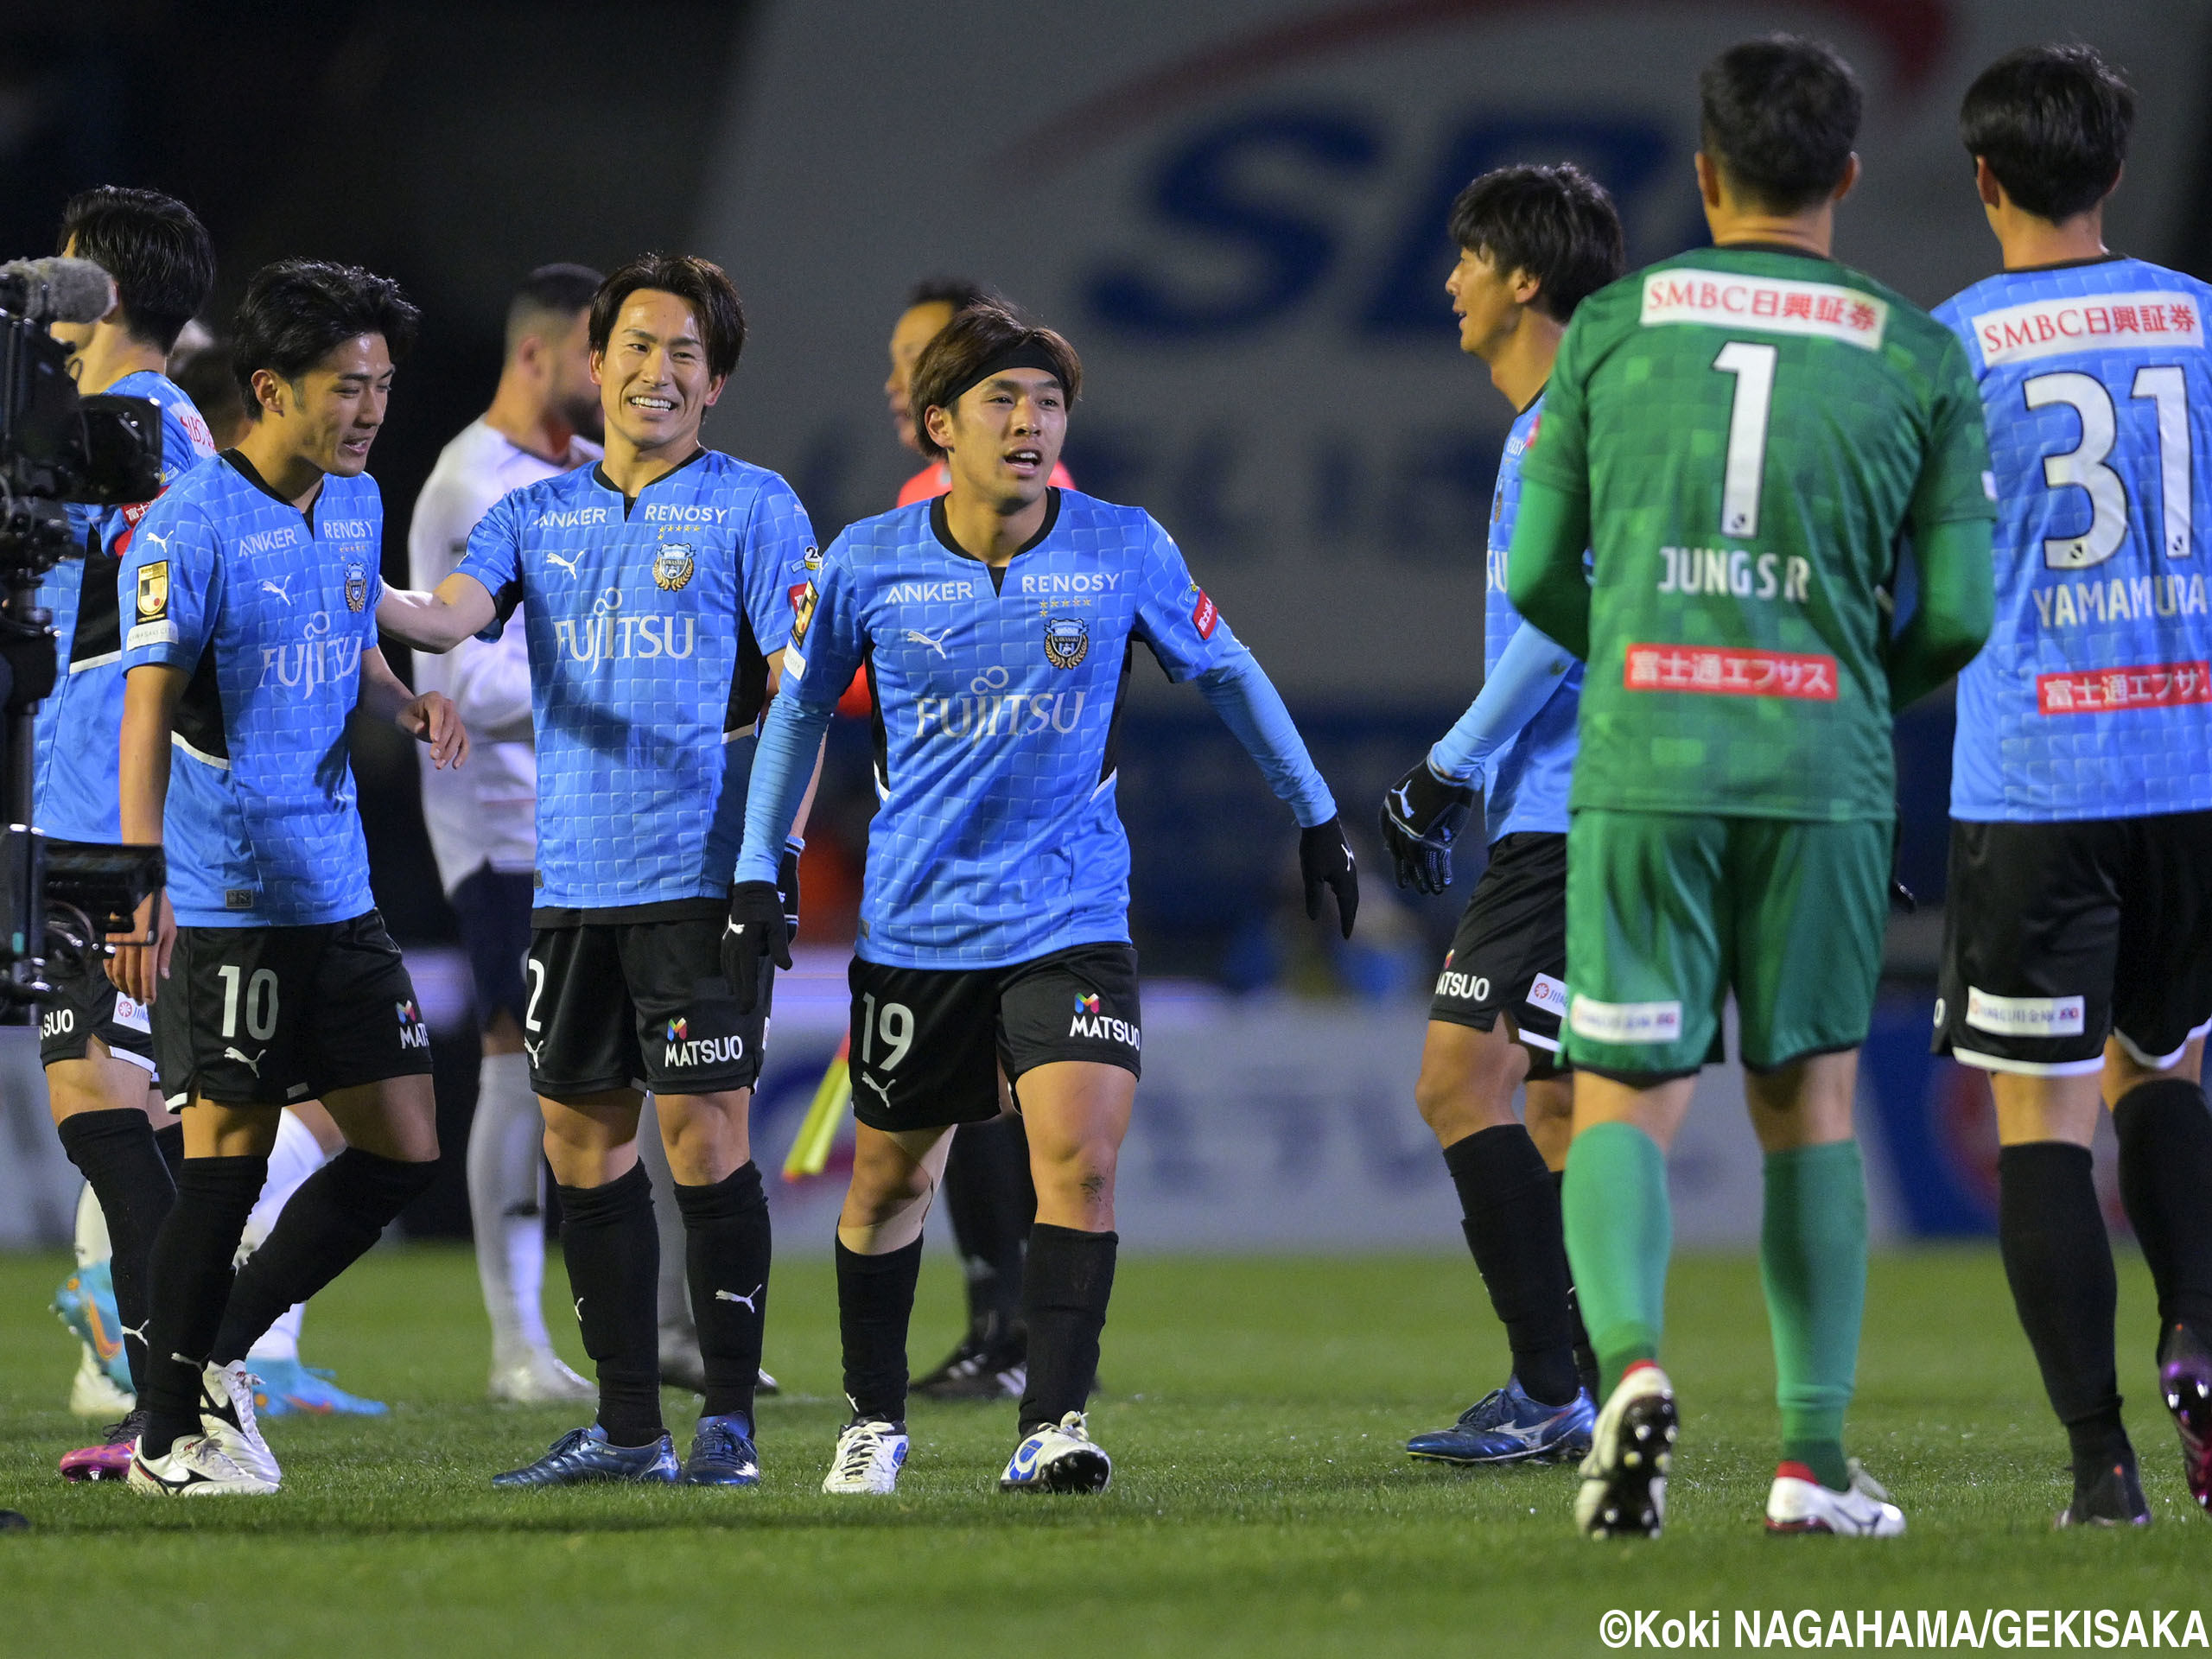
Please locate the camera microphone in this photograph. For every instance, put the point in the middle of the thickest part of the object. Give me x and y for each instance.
(56, 290)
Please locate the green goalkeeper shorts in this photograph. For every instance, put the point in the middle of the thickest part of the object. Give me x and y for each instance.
(1668, 914)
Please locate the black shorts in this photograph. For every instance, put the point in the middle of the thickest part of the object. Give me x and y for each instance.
(264, 1016)
(493, 907)
(638, 1004)
(1510, 955)
(928, 1042)
(87, 1004)
(2058, 935)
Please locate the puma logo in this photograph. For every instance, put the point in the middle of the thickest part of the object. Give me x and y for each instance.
(936, 645)
(281, 590)
(569, 565)
(882, 1089)
(152, 540)
(252, 1065)
(748, 1301)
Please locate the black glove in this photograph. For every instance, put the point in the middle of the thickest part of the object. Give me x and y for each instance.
(1422, 815)
(787, 884)
(1901, 896)
(756, 932)
(1324, 859)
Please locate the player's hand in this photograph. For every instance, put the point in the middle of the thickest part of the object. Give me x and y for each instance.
(787, 883)
(433, 718)
(142, 956)
(1422, 815)
(756, 932)
(1324, 859)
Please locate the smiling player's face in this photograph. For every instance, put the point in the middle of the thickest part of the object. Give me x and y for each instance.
(1004, 435)
(333, 412)
(654, 388)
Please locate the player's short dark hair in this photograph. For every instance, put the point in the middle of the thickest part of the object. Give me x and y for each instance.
(2052, 122)
(296, 310)
(950, 364)
(209, 378)
(158, 253)
(701, 283)
(551, 292)
(1555, 223)
(1779, 118)
(955, 291)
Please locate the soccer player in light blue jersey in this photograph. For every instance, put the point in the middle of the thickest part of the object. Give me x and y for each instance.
(655, 593)
(998, 625)
(1532, 242)
(250, 590)
(96, 1045)
(2077, 956)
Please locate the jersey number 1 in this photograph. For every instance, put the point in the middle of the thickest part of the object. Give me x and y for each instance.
(2084, 467)
(1740, 478)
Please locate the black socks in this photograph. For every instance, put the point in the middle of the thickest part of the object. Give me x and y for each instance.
(116, 1152)
(1065, 1284)
(2166, 1182)
(876, 1300)
(991, 1201)
(171, 1142)
(2059, 1263)
(613, 1256)
(1511, 1204)
(1585, 1356)
(325, 1227)
(190, 1285)
(726, 1261)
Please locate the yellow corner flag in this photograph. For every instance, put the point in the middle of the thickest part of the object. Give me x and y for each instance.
(810, 1153)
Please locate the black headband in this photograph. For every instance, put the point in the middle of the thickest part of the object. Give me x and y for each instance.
(1027, 353)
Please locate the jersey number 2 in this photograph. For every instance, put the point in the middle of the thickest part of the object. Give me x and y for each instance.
(1745, 468)
(2084, 465)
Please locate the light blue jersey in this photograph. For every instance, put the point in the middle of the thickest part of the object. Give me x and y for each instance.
(998, 704)
(268, 610)
(649, 622)
(78, 727)
(2093, 698)
(1526, 783)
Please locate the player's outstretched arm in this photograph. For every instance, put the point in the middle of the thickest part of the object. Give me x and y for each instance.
(1543, 573)
(430, 716)
(459, 606)
(149, 699)
(1423, 810)
(1956, 610)
(1249, 704)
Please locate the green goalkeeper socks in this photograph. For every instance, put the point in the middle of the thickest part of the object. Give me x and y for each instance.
(1619, 1231)
(1812, 1262)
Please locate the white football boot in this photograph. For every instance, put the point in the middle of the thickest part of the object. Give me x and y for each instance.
(92, 1393)
(869, 1457)
(1059, 1458)
(1624, 1477)
(226, 1418)
(538, 1378)
(1798, 1502)
(194, 1467)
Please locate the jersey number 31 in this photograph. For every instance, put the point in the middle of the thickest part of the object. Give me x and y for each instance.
(2084, 465)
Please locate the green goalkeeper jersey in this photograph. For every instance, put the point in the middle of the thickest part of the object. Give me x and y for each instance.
(1755, 430)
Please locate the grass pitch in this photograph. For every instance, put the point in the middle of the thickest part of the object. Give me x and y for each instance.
(1261, 1501)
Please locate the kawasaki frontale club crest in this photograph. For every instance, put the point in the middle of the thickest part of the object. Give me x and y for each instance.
(672, 567)
(356, 587)
(1067, 641)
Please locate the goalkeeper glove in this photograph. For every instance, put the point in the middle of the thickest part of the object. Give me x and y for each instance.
(1421, 816)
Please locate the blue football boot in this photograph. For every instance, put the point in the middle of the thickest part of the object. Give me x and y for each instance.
(1506, 1426)
(85, 1303)
(722, 1453)
(582, 1457)
(285, 1388)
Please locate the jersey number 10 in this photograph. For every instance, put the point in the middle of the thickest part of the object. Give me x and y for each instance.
(2084, 467)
